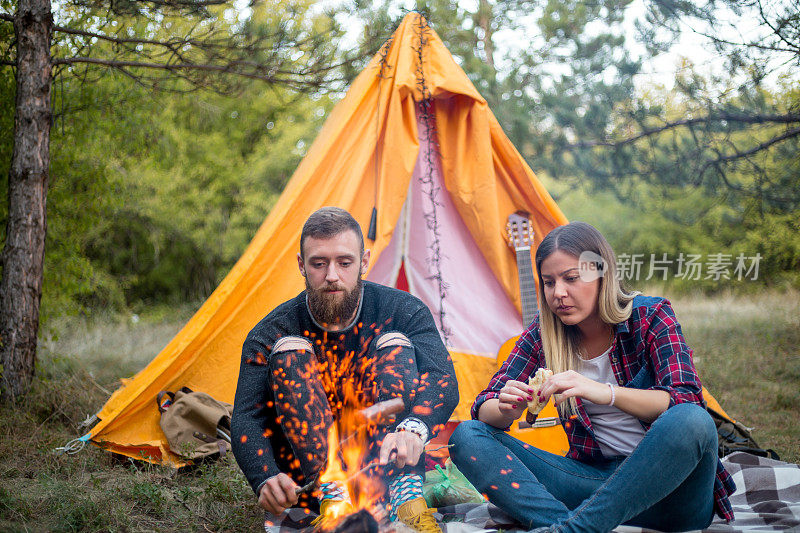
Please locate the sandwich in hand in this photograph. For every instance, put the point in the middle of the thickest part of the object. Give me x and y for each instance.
(536, 382)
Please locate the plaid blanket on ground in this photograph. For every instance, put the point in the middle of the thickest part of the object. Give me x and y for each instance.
(767, 498)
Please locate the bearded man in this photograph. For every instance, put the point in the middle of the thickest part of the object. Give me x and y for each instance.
(341, 340)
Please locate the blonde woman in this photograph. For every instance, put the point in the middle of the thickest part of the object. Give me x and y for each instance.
(643, 450)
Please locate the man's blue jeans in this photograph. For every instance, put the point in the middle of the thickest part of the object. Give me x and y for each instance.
(666, 483)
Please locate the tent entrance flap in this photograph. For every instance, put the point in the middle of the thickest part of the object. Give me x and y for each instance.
(443, 264)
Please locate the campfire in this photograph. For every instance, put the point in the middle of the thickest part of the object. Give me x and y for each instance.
(352, 438)
(347, 465)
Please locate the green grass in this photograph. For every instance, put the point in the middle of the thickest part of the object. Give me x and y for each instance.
(747, 350)
(94, 491)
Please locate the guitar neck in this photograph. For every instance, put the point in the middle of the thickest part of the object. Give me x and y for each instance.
(527, 285)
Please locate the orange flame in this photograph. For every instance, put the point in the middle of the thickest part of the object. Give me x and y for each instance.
(346, 459)
(352, 431)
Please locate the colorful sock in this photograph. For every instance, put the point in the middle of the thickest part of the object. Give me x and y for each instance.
(333, 490)
(402, 489)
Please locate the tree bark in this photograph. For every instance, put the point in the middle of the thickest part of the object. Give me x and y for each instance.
(484, 21)
(23, 253)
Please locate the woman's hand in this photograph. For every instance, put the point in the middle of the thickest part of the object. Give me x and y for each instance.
(644, 404)
(514, 398)
(572, 384)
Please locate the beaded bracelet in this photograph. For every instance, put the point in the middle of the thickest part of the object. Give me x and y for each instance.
(613, 394)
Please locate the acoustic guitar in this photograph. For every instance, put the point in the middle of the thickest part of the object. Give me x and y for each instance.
(546, 433)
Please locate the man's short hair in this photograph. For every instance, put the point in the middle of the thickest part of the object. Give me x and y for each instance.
(328, 222)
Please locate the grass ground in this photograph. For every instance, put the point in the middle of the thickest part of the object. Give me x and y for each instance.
(80, 363)
(747, 350)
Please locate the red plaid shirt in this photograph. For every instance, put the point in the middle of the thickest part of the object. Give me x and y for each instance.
(648, 352)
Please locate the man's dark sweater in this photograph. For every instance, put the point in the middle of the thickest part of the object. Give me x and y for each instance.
(259, 445)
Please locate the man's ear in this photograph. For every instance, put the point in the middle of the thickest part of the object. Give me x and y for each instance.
(364, 262)
(301, 265)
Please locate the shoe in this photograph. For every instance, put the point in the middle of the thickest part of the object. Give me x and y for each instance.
(330, 509)
(416, 515)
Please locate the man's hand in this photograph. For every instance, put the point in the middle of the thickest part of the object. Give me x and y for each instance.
(407, 445)
(277, 494)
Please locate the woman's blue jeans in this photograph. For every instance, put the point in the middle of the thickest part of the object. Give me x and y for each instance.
(666, 483)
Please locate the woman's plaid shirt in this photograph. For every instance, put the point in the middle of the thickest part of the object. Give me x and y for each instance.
(648, 352)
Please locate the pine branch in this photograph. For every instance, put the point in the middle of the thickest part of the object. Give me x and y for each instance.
(175, 67)
(120, 40)
(759, 148)
(776, 31)
(221, 43)
(292, 80)
(788, 118)
(185, 3)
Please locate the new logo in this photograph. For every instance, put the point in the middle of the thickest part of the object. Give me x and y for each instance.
(591, 266)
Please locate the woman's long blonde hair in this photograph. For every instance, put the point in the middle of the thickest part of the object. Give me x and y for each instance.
(560, 341)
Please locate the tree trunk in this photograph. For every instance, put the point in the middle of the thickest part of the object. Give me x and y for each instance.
(23, 254)
(484, 21)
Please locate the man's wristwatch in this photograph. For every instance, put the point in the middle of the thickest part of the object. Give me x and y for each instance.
(416, 426)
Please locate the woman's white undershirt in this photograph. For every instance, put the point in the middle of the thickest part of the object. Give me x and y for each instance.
(617, 432)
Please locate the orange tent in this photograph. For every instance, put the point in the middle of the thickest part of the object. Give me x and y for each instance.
(413, 139)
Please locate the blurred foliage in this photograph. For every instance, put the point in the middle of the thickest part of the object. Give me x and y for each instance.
(184, 193)
(658, 208)
(158, 182)
(198, 182)
(689, 225)
(215, 45)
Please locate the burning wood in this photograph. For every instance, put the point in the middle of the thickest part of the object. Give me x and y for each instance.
(363, 522)
(359, 522)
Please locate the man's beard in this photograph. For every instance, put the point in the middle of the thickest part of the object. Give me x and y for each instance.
(327, 309)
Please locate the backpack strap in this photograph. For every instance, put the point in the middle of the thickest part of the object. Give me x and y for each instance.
(203, 437)
(160, 400)
(223, 449)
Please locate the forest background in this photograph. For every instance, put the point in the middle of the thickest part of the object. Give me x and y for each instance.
(157, 184)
